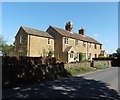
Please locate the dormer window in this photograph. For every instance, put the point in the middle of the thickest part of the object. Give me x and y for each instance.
(21, 39)
(66, 40)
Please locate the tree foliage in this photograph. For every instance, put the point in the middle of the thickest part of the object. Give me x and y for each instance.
(4, 47)
(80, 56)
(118, 51)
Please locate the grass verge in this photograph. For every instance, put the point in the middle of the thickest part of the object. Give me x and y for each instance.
(80, 70)
(101, 66)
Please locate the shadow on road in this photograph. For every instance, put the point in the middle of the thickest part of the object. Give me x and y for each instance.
(73, 87)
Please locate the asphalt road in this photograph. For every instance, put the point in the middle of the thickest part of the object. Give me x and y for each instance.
(96, 85)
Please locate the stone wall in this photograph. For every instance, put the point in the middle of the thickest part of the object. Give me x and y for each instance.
(102, 62)
(81, 64)
(88, 64)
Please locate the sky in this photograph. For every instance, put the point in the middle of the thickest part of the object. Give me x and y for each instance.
(99, 19)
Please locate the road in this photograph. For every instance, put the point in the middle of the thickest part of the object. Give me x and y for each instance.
(94, 85)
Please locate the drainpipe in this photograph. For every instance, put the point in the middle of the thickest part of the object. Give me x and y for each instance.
(87, 50)
(28, 45)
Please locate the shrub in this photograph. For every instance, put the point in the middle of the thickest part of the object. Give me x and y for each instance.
(80, 56)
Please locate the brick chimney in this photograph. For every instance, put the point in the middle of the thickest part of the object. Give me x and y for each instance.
(69, 26)
(82, 31)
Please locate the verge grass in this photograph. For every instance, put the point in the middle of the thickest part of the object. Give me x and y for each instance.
(85, 69)
(80, 70)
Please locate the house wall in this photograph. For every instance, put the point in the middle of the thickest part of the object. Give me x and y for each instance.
(57, 44)
(20, 47)
(95, 51)
(38, 46)
(80, 48)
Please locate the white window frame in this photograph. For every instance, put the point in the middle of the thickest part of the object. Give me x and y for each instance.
(71, 55)
(21, 39)
(66, 40)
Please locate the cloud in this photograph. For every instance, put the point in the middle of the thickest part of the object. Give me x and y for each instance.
(96, 35)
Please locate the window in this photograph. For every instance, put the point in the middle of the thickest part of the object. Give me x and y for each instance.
(76, 42)
(95, 46)
(95, 55)
(90, 45)
(66, 40)
(48, 40)
(21, 39)
(84, 44)
(90, 56)
(71, 55)
(20, 53)
(77, 56)
(84, 55)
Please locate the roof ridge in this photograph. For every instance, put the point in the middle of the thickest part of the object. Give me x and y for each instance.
(33, 28)
(37, 32)
(75, 35)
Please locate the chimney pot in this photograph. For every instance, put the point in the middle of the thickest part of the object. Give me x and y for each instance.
(69, 26)
(82, 31)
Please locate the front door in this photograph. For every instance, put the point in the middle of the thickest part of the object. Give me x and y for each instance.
(72, 57)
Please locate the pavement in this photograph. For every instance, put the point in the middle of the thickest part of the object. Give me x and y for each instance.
(97, 85)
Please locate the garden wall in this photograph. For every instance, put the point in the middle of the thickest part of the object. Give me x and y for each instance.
(89, 64)
(22, 70)
(80, 64)
(102, 62)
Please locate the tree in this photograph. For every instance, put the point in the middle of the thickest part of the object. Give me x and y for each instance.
(4, 47)
(114, 54)
(118, 51)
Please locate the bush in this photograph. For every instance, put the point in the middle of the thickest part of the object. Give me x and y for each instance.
(102, 58)
(80, 56)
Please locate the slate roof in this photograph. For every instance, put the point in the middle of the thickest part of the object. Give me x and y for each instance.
(66, 33)
(36, 32)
